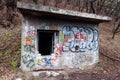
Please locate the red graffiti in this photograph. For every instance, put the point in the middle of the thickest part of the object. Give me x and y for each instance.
(28, 42)
(79, 36)
(55, 59)
(31, 32)
(58, 48)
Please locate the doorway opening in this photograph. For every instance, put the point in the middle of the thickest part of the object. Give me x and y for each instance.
(45, 42)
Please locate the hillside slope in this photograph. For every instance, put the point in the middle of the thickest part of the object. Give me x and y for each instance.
(10, 49)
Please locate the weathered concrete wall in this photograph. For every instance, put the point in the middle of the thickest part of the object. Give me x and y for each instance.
(76, 45)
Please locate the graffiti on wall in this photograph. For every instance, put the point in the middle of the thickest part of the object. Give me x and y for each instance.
(49, 26)
(81, 58)
(72, 38)
(29, 40)
(28, 60)
(79, 39)
(48, 61)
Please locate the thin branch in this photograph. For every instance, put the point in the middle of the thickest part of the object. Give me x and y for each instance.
(111, 58)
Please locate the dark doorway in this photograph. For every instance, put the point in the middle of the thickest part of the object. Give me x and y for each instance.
(45, 42)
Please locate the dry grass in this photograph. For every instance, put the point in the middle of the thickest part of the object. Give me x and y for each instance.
(111, 46)
(10, 44)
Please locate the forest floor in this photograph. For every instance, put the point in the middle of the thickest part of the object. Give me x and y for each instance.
(107, 69)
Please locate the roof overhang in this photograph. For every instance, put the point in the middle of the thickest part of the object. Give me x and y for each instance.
(52, 12)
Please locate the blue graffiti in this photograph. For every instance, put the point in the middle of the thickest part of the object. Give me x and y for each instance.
(28, 60)
(79, 39)
(47, 62)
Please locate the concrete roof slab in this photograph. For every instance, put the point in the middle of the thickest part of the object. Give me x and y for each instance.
(62, 12)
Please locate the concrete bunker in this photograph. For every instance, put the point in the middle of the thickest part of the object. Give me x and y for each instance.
(55, 38)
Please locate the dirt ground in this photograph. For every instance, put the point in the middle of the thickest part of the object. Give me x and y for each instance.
(108, 67)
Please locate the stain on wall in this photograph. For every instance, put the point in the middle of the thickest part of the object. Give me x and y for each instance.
(79, 59)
